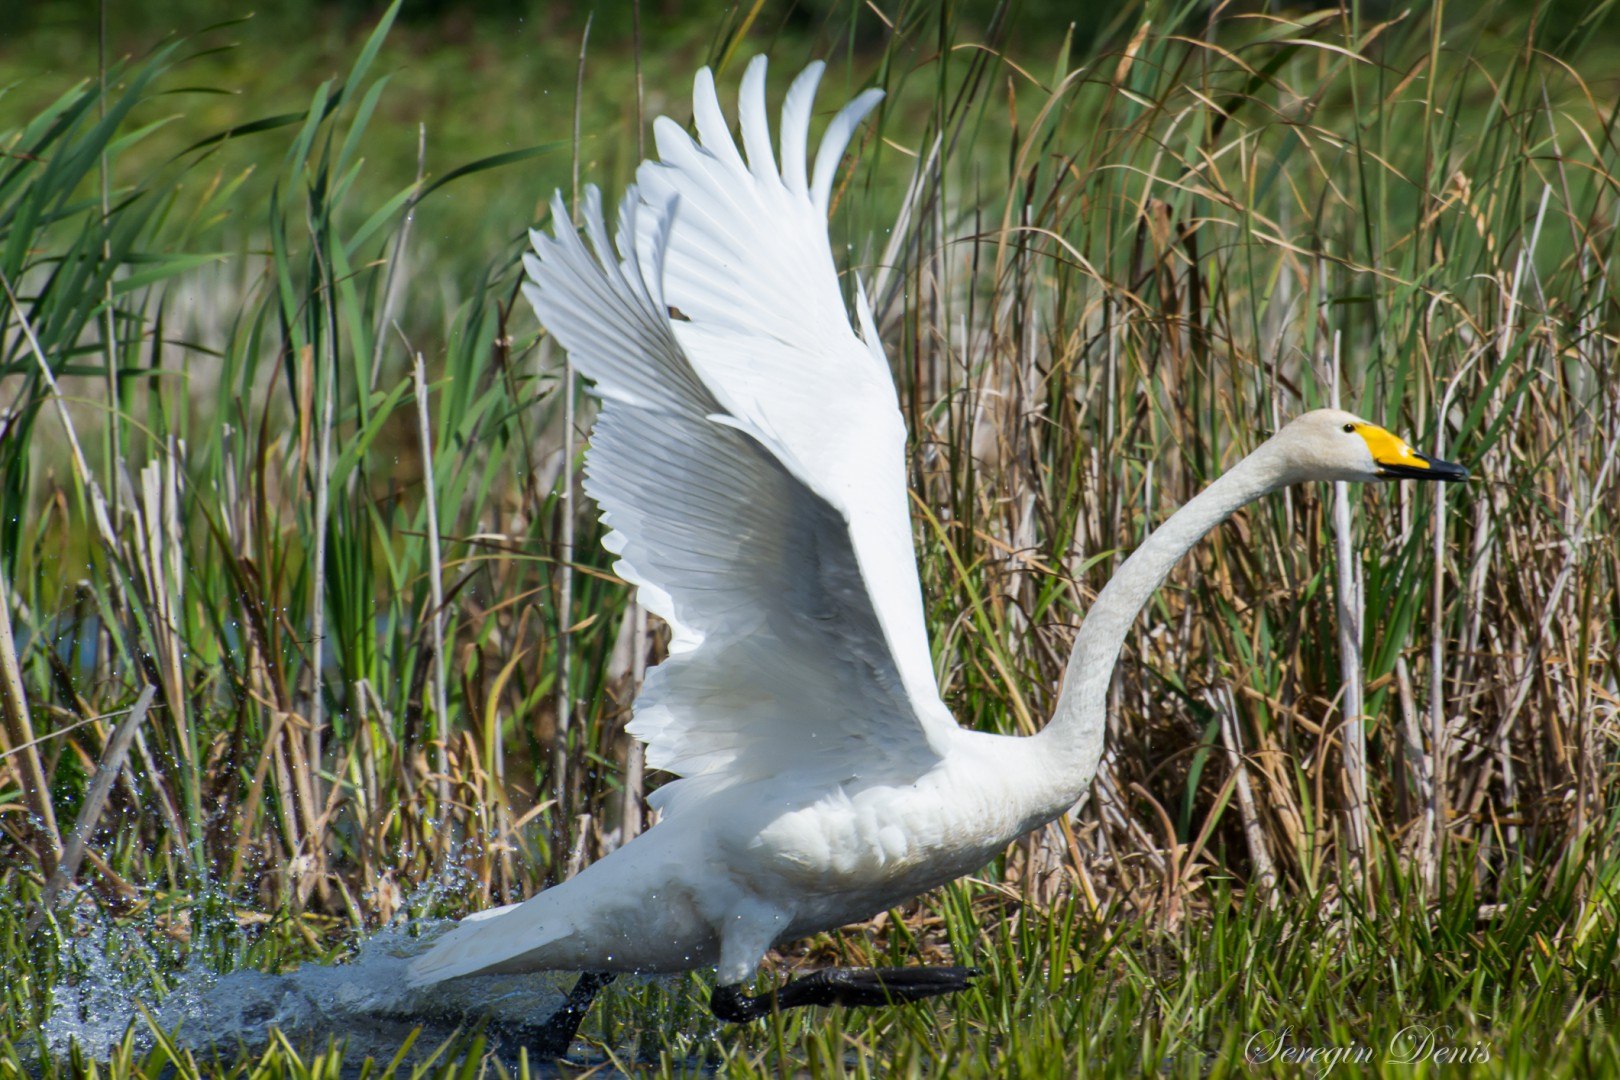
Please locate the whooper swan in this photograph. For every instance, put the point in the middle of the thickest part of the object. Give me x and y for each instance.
(749, 458)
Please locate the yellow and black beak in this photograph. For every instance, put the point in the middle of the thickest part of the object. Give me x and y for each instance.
(1398, 461)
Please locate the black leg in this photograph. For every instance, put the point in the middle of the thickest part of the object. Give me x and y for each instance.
(842, 986)
(553, 1038)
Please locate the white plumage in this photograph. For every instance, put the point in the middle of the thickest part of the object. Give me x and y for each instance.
(749, 459)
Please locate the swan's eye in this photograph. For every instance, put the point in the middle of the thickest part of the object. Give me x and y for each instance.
(1349, 429)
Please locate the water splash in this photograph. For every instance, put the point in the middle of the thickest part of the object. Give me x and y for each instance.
(126, 977)
(364, 1000)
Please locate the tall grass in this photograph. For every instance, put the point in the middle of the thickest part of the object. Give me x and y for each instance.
(1103, 271)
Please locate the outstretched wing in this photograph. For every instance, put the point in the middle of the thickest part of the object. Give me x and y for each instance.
(748, 458)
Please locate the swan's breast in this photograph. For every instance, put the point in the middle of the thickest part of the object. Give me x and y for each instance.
(858, 837)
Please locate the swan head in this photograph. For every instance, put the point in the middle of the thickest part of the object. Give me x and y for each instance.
(1330, 444)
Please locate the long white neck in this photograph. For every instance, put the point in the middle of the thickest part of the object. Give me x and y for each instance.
(1070, 746)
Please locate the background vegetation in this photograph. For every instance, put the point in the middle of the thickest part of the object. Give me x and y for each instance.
(278, 442)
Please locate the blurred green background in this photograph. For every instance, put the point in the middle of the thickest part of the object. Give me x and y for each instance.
(490, 76)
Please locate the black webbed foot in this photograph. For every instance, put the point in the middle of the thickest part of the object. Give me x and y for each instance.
(843, 986)
(551, 1039)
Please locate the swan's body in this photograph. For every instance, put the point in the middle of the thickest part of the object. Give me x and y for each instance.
(749, 458)
(721, 883)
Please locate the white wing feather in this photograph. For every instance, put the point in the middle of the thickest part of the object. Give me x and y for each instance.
(750, 265)
(748, 458)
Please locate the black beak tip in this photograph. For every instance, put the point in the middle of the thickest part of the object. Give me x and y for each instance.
(1449, 471)
(1431, 469)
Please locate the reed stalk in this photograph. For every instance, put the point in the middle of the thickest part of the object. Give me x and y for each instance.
(1349, 610)
(107, 772)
